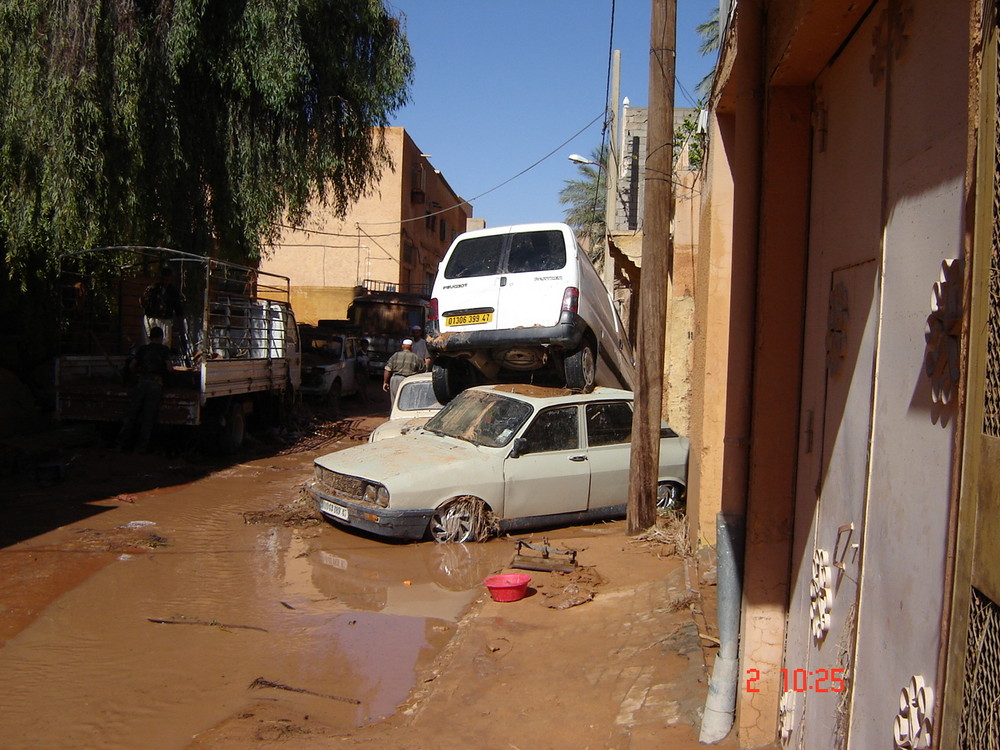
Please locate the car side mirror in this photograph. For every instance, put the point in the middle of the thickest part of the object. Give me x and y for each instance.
(518, 448)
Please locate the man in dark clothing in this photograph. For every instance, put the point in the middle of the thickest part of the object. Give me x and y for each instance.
(163, 307)
(151, 364)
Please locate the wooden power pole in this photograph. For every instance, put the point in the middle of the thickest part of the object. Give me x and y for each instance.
(657, 252)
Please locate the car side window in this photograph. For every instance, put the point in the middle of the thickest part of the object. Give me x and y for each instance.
(609, 423)
(553, 430)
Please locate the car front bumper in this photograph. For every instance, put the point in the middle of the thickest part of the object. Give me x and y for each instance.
(388, 522)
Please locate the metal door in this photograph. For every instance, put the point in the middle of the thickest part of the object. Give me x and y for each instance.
(836, 410)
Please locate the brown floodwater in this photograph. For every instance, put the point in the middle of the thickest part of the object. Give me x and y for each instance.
(163, 643)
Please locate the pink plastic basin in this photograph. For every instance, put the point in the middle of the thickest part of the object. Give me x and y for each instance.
(508, 587)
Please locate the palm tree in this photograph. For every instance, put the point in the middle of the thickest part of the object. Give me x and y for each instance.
(710, 41)
(584, 198)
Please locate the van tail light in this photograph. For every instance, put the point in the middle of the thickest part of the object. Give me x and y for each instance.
(571, 300)
(432, 311)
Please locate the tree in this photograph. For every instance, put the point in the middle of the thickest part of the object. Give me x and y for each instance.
(585, 198)
(710, 41)
(196, 124)
(686, 135)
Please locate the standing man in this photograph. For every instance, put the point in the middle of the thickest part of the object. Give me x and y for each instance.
(151, 364)
(420, 346)
(402, 364)
(162, 306)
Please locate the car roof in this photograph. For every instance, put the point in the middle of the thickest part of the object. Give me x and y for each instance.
(514, 228)
(545, 396)
(417, 377)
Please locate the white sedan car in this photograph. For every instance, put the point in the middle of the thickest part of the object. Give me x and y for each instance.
(496, 458)
(415, 403)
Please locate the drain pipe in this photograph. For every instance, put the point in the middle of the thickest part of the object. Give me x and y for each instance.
(720, 706)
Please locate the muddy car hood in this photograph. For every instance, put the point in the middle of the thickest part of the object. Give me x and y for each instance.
(420, 469)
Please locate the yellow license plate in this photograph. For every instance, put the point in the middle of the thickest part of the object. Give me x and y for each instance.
(468, 320)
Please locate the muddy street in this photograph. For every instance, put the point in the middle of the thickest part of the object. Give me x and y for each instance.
(145, 600)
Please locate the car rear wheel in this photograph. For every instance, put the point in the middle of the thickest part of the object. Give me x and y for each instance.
(464, 520)
(449, 378)
(670, 496)
(581, 369)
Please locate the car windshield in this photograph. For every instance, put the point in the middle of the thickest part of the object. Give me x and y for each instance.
(481, 417)
(416, 396)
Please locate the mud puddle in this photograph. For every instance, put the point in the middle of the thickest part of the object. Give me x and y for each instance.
(198, 616)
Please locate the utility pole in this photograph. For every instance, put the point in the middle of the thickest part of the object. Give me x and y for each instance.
(657, 252)
(611, 172)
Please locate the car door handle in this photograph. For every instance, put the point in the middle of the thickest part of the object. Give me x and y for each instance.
(577, 458)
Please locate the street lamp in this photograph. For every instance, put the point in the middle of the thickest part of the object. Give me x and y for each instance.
(583, 160)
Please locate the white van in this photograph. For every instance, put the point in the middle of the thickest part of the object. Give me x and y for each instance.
(524, 303)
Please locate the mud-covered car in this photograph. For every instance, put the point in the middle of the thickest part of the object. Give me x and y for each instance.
(496, 458)
(415, 403)
(329, 364)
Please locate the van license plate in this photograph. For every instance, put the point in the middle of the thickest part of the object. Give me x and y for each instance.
(468, 320)
(338, 511)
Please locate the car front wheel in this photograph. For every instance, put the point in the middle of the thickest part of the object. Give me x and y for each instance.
(463, 520)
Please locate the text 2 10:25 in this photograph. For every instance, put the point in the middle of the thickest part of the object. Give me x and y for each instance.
(819, 680)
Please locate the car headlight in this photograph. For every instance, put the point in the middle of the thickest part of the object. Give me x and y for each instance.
(377, 495)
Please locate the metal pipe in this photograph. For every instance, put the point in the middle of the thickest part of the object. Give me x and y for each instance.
(720, 706)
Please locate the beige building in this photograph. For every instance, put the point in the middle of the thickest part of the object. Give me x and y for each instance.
(847, 367)
(390, 240)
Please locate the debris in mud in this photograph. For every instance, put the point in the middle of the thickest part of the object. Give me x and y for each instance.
(300, 513)
(260, 682)
(571, 596)
(580, 588)
(668, 536)
(208, 623)
(123, 539)
(278, 730)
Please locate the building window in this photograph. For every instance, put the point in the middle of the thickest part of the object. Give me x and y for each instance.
(430, 221)
(444, 230)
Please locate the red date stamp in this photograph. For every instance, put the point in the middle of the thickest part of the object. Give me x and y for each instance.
(802, 680)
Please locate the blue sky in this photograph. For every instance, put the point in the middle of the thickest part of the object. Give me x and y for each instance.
(500, 84)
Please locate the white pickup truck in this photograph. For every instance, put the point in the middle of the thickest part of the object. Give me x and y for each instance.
(233, 338)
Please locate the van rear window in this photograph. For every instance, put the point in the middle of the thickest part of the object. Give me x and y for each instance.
(477, 256)
(536, 251)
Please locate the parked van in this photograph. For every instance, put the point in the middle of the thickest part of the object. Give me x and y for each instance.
(524, 303)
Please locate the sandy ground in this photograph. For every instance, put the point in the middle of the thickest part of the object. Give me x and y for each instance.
(626, 668)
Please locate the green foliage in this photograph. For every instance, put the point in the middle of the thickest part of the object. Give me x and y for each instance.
(686, 135)
(585, 198)
(195, 124)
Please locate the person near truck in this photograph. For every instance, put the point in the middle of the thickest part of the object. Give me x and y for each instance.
(401, 365)
(151, 365)
(162, 307)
